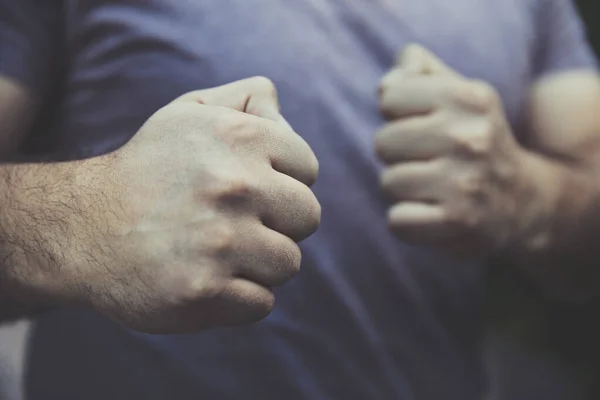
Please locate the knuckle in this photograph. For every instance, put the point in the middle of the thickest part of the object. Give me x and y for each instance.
(219, 239)
(477, 95)
(388, 106)
(243, 305)
(384, 85)
(264, 84)
(470, 184)
(182, 120)
(475, 142)
(237, 129)
(381, 88)
(388, 103)
(484, 94)
(381, 142)
(191, 96)
(481, 141)
(298, 152)
(454, 217)
(201, 289)
(312, 169)
(316, 214)
(462, 218)
(505, 171)
(312, 219)
(174, 113)
(231, 190)
(291, 260)
(410, 51)
(387, 179)
(385, 108)
(262, 307)
(390, 80)
(399, 227)
(309, 215)
(390, 93)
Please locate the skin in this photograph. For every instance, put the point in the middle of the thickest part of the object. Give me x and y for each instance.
(163, 243)
(459, 180)
(186, 227)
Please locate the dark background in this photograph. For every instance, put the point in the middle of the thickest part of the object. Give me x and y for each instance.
(590, 11)
(538, 349)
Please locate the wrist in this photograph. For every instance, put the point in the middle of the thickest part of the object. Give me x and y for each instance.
(558, 226)
(537, 197)
(46, 214)
(555, 211)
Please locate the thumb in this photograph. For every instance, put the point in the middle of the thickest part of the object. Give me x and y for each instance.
(256, 96)
(417, 59)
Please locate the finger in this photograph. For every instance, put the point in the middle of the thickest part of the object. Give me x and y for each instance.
(402, 96)
(421, 223)
(263, 100)
(256, 96)
(290, 154)
(413, 139)
(414, 182)
(268, 258)
(411, 59)
(417, 59)
(240, 302)
(289, 207)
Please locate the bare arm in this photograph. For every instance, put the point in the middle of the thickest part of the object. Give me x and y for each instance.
(147, 234)
(559, 247)
(537, 205)
(29, 205)
(18, 109)
(38, 203)
(561, 202)
(41, 205)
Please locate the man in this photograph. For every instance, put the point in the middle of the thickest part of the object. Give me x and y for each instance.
(369, 316)
(203, 244)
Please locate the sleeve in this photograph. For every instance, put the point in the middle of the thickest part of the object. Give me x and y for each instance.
(561, 41)
(29, 37)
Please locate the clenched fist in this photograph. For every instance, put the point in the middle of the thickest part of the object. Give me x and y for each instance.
(453, 166)
(200, 214)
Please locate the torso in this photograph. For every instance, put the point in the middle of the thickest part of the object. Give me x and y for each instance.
(368, 317)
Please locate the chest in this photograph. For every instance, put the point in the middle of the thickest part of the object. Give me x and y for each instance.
(128, 58)
(300, 43)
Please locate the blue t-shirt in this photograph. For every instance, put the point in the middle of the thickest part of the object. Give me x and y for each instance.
(368, 317)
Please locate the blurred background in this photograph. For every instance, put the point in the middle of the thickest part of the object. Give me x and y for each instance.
(590, 11)
(534, 349)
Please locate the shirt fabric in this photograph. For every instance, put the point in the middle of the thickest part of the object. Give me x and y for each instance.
(368, 317)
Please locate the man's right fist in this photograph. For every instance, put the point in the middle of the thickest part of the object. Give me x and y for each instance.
(205, 206)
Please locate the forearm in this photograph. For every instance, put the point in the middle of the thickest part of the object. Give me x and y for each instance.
(558, 227)
(41, 207)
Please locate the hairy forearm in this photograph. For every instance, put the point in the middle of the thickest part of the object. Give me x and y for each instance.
(41, 207)
(559, 227)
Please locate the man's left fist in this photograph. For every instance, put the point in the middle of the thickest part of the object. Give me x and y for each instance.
(453, 167)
